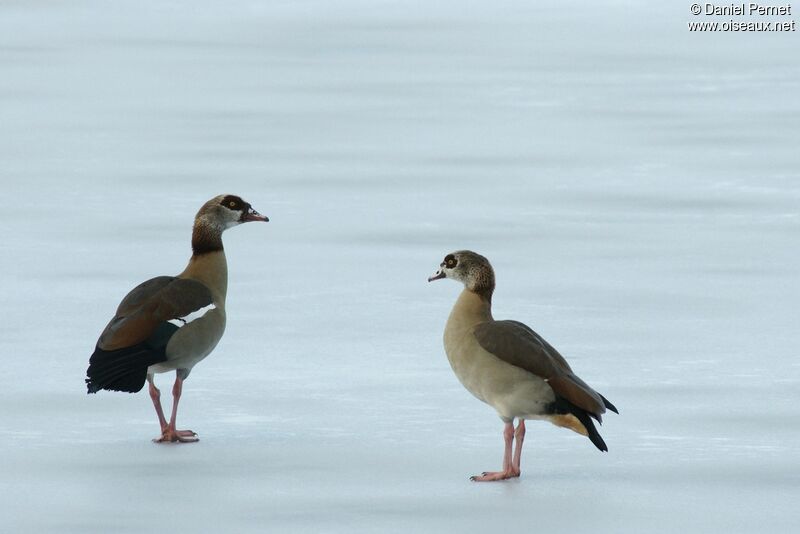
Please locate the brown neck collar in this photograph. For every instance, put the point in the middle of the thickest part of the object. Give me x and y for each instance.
(484, 292)
(483, 284)
(205, 239)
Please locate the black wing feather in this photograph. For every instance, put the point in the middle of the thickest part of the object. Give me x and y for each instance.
(126, 369)
(137, 335)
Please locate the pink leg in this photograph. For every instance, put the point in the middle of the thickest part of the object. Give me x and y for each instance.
(519, 437)
(155, 395)
(170, 434)
(507, 472)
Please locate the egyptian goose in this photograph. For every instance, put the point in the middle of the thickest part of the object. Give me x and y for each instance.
(170, 323)
(510, 367)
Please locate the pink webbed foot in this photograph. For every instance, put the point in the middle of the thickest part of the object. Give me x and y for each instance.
(511, 467)
(491, 476)
(176, 436)
(169, 434)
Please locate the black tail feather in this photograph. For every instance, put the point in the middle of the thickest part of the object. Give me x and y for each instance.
(563, 406)
(584, 418)
(608, 404)
(123, 369)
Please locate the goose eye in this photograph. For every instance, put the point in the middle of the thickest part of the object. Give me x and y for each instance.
(232, 204)
(450, 262)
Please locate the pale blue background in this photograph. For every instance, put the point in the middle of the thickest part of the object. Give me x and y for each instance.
(636, 187)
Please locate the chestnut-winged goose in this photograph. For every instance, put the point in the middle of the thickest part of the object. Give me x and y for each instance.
(510, 367)
(170, 323)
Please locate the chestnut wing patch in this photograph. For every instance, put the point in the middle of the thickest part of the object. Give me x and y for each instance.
(148, 305)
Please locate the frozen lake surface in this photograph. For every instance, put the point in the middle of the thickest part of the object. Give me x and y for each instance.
(635, 185)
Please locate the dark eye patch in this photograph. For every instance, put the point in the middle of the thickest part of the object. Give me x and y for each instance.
(233, 202)
(450, 261)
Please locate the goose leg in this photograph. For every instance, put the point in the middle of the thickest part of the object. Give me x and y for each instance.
(170, 434)
(155, 396)
(507, 472)
(519, 437)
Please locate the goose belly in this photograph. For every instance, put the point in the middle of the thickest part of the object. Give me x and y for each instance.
(193, 342)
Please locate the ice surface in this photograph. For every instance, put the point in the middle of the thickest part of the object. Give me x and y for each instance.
(635, 185)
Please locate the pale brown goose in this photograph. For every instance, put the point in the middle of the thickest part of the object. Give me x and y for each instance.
(170, 323)
(510, 367)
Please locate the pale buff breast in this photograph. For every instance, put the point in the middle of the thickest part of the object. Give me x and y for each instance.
(511, 391)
